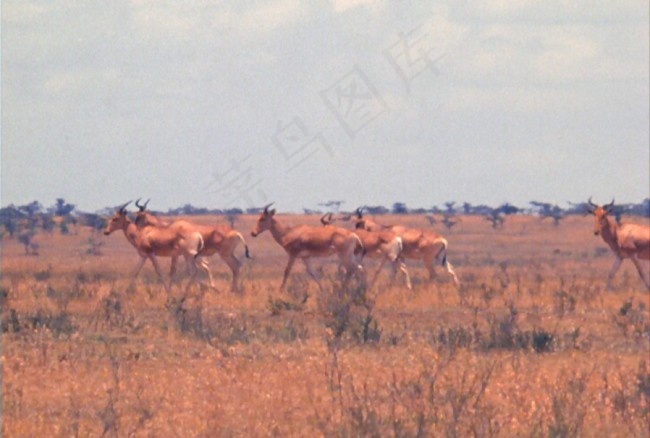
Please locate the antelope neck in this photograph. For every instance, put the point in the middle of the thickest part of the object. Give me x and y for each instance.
(130, 232)
(609, 234)
(277, 230)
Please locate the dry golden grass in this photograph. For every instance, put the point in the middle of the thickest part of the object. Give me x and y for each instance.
(532, 343)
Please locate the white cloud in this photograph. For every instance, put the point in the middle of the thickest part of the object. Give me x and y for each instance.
(21, 13)
(558, 11)
(187, 21)
(340, 6)
(535, 67)
(78, 82)
(270, 16)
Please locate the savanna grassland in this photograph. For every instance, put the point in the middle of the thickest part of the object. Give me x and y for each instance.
(532, 344)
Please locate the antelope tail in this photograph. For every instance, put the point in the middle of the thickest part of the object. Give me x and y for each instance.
(200, 246)
(446, 263)
(359, 248)
(444, 252)
(400, 248)
(396, 249)
(243, 241)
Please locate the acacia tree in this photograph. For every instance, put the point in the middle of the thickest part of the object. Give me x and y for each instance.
(400, 208)
(9, 218)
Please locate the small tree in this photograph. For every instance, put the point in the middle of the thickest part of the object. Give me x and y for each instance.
(62, 208)
(450, 208)
(47, 222)
(449, 220)
(27, 239)
(332, 205)
(11, 226)
(400, 208)
(496, 219)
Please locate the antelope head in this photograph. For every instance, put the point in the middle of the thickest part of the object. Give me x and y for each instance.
(264, 221)
(142, 217)
(359, 222)
(600, 213)
(118, 221)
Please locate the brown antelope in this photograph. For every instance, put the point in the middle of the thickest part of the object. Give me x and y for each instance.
(416, 244)
(219, 239)
(305, 242)
(626, 240)
(383, 244)
(151, 244)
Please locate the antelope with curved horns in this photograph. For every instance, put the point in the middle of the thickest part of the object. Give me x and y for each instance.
(416, 244)
(218, 239)
(627, 241)
(305, 242)
(382, 244)
(151, 244)
(172, 270)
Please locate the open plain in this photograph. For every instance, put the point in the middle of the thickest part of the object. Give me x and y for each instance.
(531, 344)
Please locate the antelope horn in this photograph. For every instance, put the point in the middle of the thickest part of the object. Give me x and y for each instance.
(266, 207)
(121, 208)
(327, 221)
(609, 206)
(142, 207)
(360, 212)
(591, 207)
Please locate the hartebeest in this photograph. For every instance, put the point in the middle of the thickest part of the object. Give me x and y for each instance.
(219, 239)
(305, 242)
(626, 240)
(151, 244)
(383, 244)
(416, 244)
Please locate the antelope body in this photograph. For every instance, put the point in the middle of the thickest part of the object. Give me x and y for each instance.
(217, 239)
(627, 241)
(305, 242)
(383, 244)
(151, 243)
(416, 244)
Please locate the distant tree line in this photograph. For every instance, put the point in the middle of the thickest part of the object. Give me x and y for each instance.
(22, 221)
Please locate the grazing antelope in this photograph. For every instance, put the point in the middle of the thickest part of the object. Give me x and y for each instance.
(626, 240)
(304, 242)
(151, 243)
(382, 244)
(416, 244)
(219, 239)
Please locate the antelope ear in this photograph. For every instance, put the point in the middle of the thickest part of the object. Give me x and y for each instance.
(272, 212)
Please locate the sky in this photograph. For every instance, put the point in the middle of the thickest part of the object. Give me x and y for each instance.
(223, 104)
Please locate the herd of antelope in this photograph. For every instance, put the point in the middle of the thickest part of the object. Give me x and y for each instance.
(153, 238)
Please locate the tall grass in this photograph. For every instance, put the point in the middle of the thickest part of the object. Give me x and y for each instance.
(532, 344)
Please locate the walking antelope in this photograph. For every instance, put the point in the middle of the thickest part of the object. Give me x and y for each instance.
(152, 243)
(416, 244)
(217, 239)
(383, 244)
(305, 242)
(626, 240)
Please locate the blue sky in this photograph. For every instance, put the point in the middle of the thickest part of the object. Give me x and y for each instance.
(240, 103)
